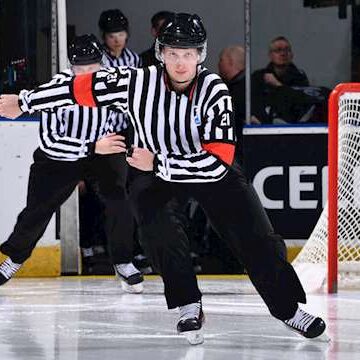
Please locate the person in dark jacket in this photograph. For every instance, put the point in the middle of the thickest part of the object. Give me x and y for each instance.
(232, 70)
(271, 84)
(157, 21)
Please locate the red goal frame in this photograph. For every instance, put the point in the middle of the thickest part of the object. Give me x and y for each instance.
(333, 181)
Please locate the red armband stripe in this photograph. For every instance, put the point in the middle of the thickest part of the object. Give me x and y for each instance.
(83, 90)
(223, 151)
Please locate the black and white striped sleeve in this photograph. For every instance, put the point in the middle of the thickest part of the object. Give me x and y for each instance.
(55, 143)
(103, 88)
(218, 146)
(55, 93)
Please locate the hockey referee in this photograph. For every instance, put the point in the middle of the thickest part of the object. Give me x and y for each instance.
(184, 147)
(73, 142)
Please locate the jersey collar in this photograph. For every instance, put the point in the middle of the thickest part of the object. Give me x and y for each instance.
(108, 53)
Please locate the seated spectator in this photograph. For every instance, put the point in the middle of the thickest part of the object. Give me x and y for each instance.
(157, 21)
(232, 70)
(280, 92)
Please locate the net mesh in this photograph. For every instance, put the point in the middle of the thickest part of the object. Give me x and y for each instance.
(314, 253)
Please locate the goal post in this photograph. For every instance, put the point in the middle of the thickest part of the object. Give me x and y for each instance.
(332, 251)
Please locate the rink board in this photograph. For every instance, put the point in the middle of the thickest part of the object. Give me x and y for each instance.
(18, 140)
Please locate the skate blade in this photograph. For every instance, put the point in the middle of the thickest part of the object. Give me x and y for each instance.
(324, 338)
(132, 289)
(195, 337)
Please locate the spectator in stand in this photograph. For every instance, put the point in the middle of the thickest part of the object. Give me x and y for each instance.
(232, 70)
(271, 84)
(157, 21)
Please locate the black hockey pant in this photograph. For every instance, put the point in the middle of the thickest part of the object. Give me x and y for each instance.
(52, 182)
(237, 215)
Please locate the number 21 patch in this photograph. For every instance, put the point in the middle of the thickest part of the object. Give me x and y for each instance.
(225, 119)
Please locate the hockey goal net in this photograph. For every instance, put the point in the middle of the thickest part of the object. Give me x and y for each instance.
(333, 250)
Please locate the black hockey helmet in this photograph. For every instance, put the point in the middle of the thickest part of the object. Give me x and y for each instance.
(182, 31)
(113, 20)
(84, 50)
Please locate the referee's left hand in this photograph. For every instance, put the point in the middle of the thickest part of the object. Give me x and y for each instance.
(141, 159)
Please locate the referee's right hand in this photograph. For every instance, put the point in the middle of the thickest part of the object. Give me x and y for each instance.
(9, 106)
(110, 144)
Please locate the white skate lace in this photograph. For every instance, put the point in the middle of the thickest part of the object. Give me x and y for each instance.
(126, 270)
(9, 268)
(190, 311)
(301, 320)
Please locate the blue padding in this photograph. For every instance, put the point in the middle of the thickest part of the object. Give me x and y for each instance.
(21, 118)
(271, 126)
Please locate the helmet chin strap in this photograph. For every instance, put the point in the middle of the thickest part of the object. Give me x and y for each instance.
(182, 82)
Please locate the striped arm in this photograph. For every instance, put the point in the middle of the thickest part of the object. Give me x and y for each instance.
(55, 93)
(219, 135)
(104, 88)
(57, 145)
(193, 168)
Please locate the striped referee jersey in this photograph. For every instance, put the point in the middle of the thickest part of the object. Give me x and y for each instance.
(192, 133)
(127, 58)
(67, 133)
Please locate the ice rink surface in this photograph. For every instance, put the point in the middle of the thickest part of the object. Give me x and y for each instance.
(87, 318)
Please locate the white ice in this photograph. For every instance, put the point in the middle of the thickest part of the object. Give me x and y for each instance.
(86, 319)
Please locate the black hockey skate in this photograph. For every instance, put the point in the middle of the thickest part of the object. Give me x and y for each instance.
(8, 270)
(190, 323)
(306, 325)
(131, 278)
